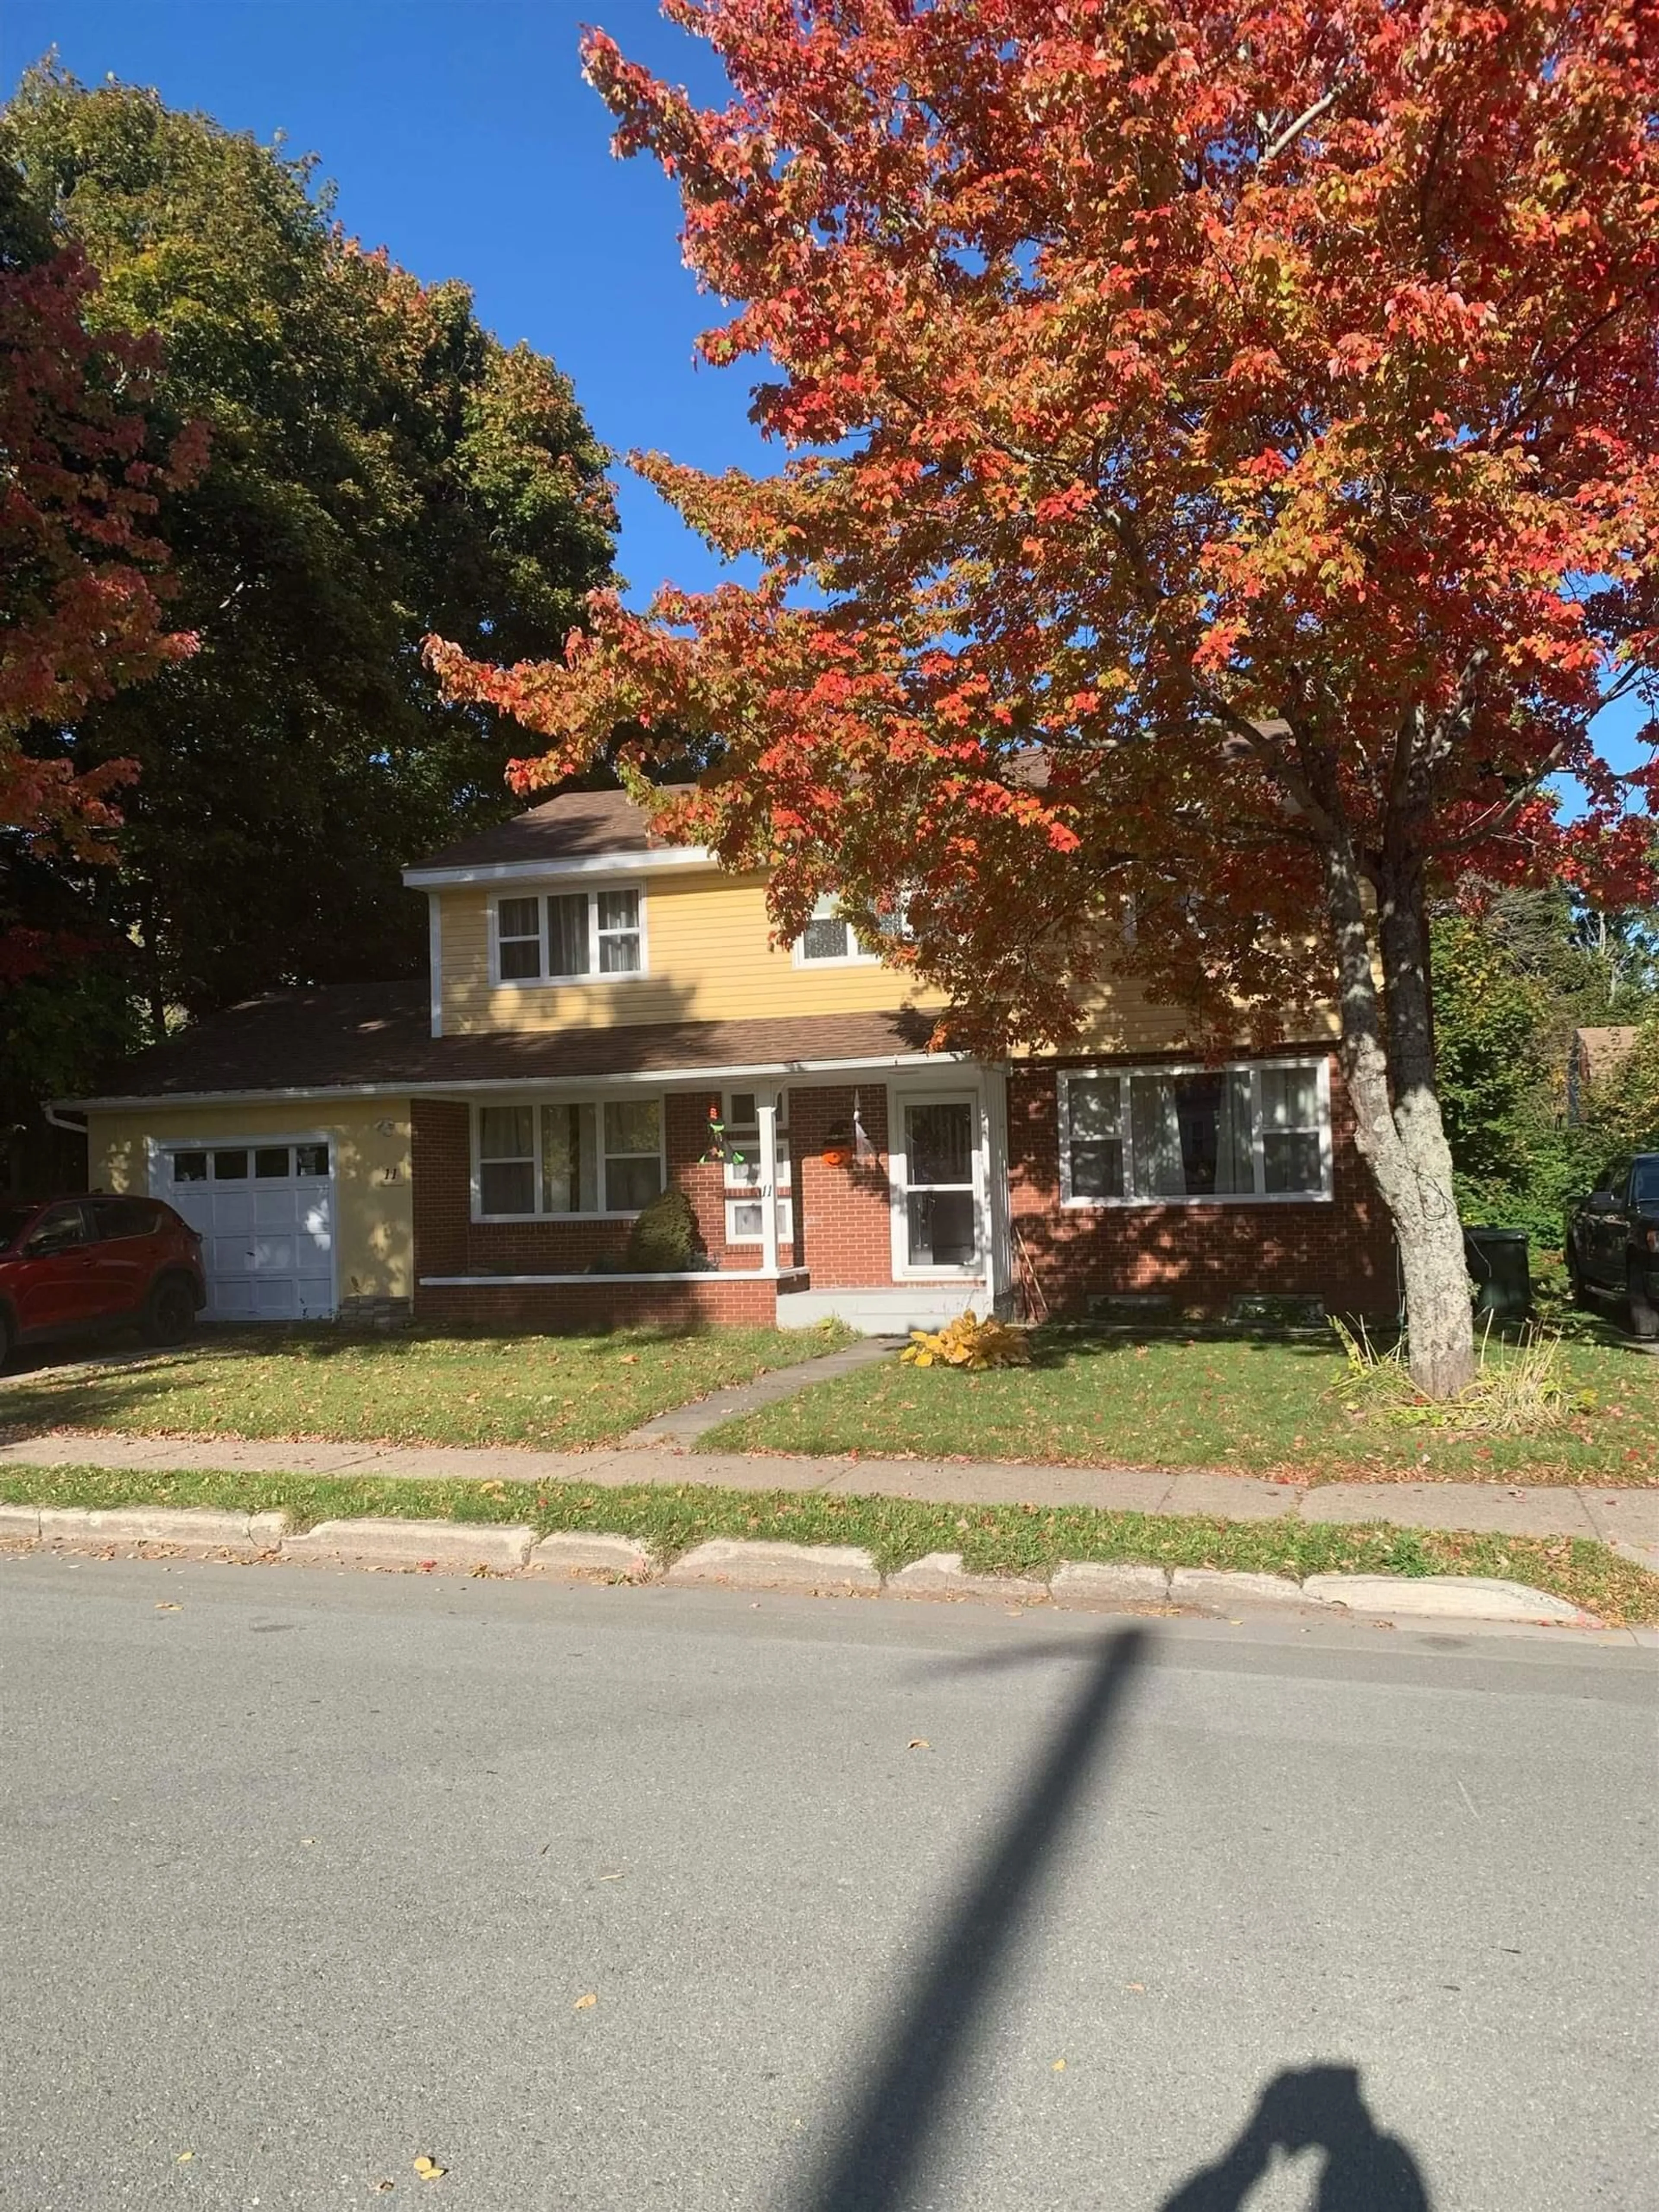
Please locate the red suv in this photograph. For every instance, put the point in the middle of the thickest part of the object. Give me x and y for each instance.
(71, 1265)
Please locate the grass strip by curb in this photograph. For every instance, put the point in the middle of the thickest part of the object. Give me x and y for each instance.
(992, 1538)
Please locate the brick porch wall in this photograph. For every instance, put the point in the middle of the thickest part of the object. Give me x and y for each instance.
(448, 1242)
(843, 1220)
(601, 1303)
(1201, 1255)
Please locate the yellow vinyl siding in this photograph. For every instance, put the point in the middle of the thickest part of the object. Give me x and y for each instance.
(373, 1216)
(1124, 1020)
(708, 960)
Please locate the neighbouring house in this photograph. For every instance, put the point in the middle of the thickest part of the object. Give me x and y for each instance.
(606, 1014)
(1591, 1057)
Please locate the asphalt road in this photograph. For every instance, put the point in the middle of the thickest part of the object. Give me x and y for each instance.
(308, 1877)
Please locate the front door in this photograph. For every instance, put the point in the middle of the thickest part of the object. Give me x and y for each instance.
(941, 1223)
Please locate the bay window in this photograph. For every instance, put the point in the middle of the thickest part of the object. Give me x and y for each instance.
(564, 1158)
(567, 936)
(1148, 1136)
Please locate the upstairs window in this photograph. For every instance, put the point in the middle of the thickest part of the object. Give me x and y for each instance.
(828, 940)
(1149, 1136)
(519, 934)
(569, 935)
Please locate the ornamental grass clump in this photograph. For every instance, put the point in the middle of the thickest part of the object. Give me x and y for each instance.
(1516, 1389)
(967, 1341)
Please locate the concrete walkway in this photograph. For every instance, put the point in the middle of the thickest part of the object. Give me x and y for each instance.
(1627, 1519)
(684, 1425)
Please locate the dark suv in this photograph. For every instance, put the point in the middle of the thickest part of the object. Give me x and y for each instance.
(70, 1266)
(1612, 1241)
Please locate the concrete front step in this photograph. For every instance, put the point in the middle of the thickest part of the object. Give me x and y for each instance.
(882, 1312)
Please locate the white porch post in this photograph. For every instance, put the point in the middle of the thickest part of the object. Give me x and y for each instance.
(766, 1113)
(984, 1199)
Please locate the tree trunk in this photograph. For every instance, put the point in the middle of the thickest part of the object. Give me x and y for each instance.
(1397, 1117)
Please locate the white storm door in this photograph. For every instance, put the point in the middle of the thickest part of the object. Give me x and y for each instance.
(940, 1227)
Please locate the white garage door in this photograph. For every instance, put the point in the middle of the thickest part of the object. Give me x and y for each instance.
(266, 1215)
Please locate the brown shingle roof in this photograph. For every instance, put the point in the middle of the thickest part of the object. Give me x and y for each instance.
(351, 1037)
(574, 824)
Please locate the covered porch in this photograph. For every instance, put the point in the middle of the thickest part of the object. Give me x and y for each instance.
(875, 1194)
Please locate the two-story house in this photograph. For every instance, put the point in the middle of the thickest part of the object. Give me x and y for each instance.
(607, 1014)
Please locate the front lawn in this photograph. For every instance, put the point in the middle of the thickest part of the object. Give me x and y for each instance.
(548, 1393)
(1248, 1406)
(992, 1538)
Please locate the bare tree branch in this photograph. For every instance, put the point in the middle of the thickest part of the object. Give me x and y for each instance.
(1498, 818)
(1309, 116)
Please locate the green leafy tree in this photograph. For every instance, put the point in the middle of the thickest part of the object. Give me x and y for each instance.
(1509, 989)
(381, 466)
(1492, 1027)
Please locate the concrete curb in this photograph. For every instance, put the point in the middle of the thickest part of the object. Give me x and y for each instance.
(574, 1552)
(1205, 1586)
(821, 1569)
(818, 1569)
(388, 1543)
(182, 1528)
(1443, 1597)
(1090, 1583)
(941, 1574)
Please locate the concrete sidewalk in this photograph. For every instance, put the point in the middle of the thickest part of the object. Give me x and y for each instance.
(1627, 1519)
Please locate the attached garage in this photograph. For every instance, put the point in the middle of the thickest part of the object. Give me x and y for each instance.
(265, 1212)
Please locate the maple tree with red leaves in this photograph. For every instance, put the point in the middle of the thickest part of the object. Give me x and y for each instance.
(81, 572)
(1224, 490)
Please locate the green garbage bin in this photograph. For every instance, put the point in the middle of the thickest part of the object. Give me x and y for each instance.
(1499, 1264)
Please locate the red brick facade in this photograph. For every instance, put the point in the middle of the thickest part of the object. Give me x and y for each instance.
(448, 1242)
(1201, 1255)
(1341, 1251)
(601, 1303)
(843, 1215)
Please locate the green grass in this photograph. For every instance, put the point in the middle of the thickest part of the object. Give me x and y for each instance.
(1250, 1406)
(551, 1393)
(993, 1539)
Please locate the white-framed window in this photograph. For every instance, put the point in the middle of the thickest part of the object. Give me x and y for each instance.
(566, 937)
(744, 1198)
(1160, 1136)
(830, 940)
(562, 1158)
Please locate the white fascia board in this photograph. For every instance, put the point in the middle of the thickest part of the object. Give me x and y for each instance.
(586, 863)
(466, 1086)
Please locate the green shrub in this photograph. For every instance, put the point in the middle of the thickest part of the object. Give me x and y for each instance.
(667, 1238)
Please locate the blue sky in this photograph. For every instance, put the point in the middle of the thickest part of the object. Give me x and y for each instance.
(461, 136)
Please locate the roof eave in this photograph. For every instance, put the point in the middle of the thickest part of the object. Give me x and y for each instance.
(424, 1089)
(617, 862)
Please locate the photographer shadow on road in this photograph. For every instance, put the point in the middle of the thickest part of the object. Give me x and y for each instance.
(1318, 2106)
